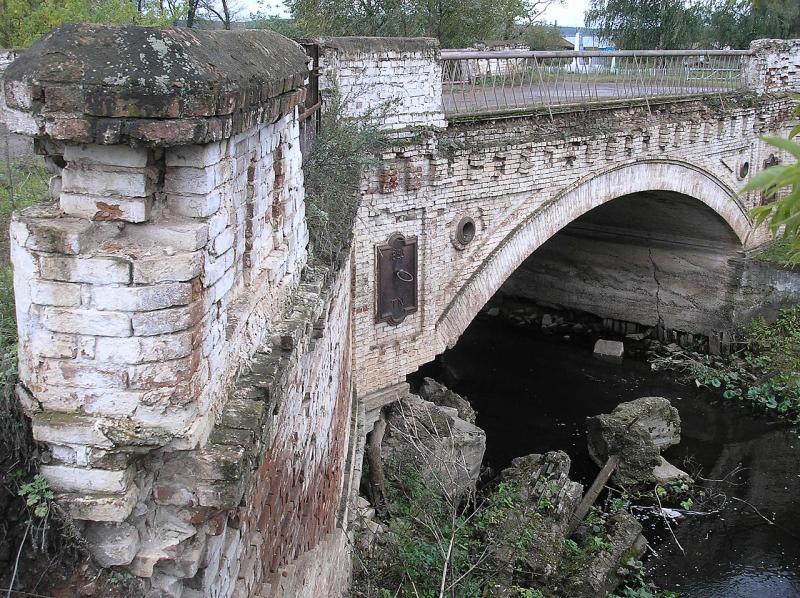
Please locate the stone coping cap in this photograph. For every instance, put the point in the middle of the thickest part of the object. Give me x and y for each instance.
(376, 45)
(777, 45)
(157, 86)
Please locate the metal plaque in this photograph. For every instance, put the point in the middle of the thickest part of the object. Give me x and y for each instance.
(396, 279)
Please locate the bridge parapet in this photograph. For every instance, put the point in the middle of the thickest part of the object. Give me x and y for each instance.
(394, 81)
(774, 66)
(491, 83)
(171, 254)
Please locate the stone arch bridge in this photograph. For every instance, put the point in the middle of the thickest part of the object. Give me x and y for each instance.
(202, 396)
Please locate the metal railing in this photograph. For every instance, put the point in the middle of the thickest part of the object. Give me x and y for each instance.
(478, 82)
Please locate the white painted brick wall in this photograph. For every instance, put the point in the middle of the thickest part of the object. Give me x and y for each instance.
(774, 66)
(145, 321)
(380, 79)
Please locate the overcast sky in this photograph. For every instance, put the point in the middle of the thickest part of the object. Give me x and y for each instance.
(568, 14)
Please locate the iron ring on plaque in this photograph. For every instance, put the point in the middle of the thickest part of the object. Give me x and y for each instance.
(404, 275)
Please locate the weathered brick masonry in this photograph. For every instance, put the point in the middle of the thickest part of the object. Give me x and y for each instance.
(522, 179)
(168, 264)
(192, 381)
(396, 81)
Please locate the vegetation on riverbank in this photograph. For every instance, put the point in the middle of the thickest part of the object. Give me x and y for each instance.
(431, 547)
(764, 371)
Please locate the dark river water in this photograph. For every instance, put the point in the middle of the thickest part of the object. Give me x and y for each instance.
(533, 394)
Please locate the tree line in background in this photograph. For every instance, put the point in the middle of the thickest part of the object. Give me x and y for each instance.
(677, 24)
(22, 22)
(631, 24)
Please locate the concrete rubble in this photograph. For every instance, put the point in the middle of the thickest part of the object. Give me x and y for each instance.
(439, 394)
(443, 447)
(637, 432)
(545, 499)
(611, 351)
(601, 574)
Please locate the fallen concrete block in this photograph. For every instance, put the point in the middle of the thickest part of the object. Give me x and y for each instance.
(636, 432)
(611, 351)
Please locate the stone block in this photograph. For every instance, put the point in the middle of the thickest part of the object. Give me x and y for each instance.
(144, 298)
(220, 288)
(79, 479)
(611, 351)
(60, 346)
(112, 544)
(67, 428)
(111, 402)
(94, 270)
(223, 242)
(99, 180)
(165, 536)
(165, 321)
(99, 506)
(61, 294)
(183, 235)
(163, 585)
(188, 562)
(197, 156)
(62, 235)
(83, 374)
(164, 374)
(111, 155)
(81, 321)
(195, 205)
(189, 180)
(143, 349)
(180, 267)
(214, 269)
(94, 207)
(215, 475)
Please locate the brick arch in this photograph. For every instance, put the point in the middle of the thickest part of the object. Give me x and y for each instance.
(571, 203)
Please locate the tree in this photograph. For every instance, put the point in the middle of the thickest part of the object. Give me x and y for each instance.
(543, 37)
(286, 27)
(783, 183)
(226, 11)
(24, 21)
(735, 23)
(455, 23)
(646, 24)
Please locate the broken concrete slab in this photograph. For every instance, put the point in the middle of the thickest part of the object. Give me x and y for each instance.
(441, 446)
(543, 500)
(666, 473)
(637, 432)
(600, 574)
(439, 394)
(611, 351)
